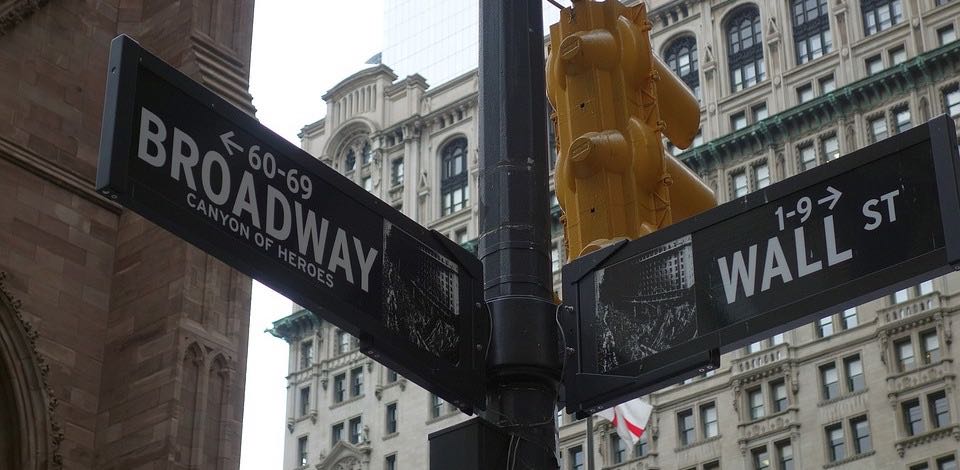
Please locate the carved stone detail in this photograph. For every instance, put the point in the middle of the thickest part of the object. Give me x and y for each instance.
(13, 12)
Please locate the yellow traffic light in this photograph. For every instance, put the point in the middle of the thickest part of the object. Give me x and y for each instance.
(613, 178)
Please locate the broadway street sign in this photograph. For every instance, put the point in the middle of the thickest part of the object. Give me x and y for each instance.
(656, 310)
(187, 160)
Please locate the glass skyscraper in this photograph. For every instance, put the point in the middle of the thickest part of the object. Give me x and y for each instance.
(438, 39)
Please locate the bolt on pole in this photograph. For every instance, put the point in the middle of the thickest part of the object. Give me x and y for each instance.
(524, 359)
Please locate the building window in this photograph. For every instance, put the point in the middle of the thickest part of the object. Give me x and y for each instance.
(302, 450)
(939, 409)
(391, 418)
(642, 447)
(367, 183)
(860, 429)
(454, 190)
(367, 153)
(804, 93)
(901, 296)
(784, 455)
(904, 351)
(339, 387)
(681, 57)
(715, 465)
(811, 29)
(745, 49)
(761, 459)
(740, 187)
(947, 463)
(356, 382)
(879, 15)
(304, 401)
(336, 434)
(390, 462)
(825, 327)
(618, 450)
(901, 119)
(830, 147)
(827, 84)
(756, 346)
(344, 342)
(777, 339)
(708, 419)
(898, 55)
(835, 447)
(436, 406)
(356, 428)
(878, 129)
(555, 262)
(874, 64)
(306, 354)
(808, 157)
(755, 401)
(778, 392)
(761, 175)
(912, 417)
(759, 112)
(930, 343)
(951, 100)
(391, 376)
(396, 171)
(853, 367)
(576, 458)
(685, 427)
(738, 121)
(349, 161)
(830, 381)
(850, 318)
(946, 35)
(925, 287)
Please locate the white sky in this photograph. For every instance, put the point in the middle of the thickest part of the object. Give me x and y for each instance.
(301, 48)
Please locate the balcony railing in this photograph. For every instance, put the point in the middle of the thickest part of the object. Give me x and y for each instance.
(910, 308)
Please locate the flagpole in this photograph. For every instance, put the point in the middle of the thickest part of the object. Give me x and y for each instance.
(590, 442)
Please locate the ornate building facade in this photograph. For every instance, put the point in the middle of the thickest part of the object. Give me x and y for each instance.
(785, 85)
(120, 345)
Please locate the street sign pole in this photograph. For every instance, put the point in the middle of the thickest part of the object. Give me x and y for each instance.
(524, 359)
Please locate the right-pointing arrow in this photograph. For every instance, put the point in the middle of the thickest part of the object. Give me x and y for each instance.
(832, 198)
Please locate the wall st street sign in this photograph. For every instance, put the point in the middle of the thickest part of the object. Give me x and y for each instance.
(187, 160)
(653, 311)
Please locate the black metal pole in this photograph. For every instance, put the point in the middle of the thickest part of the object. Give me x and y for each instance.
(524, 358)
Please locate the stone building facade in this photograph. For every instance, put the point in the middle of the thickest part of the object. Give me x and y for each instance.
(120, 346)
(785, 85)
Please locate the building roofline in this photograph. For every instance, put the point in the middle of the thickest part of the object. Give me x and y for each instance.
(378, 69)
(858, 96)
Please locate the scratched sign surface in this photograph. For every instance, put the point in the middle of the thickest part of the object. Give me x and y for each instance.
(871, 222)
(199, 167)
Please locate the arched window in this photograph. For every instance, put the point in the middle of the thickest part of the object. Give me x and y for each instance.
(350, 160)
(682, 59)
(811, 29)
(745, 49)
(367, 153)
(879, 15)
(454, 190)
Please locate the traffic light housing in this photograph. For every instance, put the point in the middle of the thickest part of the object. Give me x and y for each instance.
(613, 179)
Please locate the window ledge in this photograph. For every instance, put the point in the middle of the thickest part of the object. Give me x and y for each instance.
(344, 402)
(391, 435)
(441, 417)
(698, 443)
(928, 437)
(852, 458)
(831, 401)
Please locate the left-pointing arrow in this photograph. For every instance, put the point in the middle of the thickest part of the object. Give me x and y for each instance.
(229, 144)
